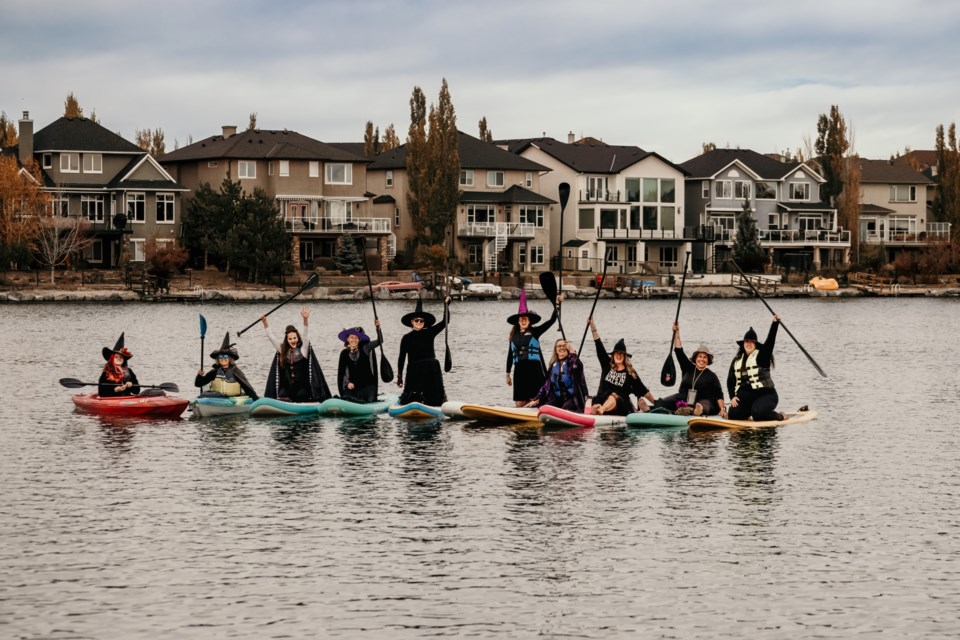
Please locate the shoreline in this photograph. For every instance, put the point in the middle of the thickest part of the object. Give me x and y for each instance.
(343, 294)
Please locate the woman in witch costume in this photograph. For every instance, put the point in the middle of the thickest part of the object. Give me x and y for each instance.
(117, 379)
(618, 380)
(225, 378)
(700, 391)
(424, 381)
(295, 375)
(357, 370)
(752, 394)
(565, 386)
(524, 352)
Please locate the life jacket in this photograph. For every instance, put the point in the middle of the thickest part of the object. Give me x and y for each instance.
(525, 347)
(757, 377)
(561, 380)
(227, 385)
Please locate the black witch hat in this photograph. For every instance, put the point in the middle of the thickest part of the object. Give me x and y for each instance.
(228, 348)
(428, 318)
(749, 335)
(117, 348)
(621, 346)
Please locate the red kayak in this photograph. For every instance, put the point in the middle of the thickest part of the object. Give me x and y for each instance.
(148, 406)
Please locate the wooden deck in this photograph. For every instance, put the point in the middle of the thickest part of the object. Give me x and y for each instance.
(767, 287)
(873, 284)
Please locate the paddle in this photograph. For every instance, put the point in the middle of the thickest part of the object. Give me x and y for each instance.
(564, 189)
(447, 359)
(593, 308)
(386, 371)
(73, 383)
(757, 293)
(668, 374)
(203, 333)
(548, 282)
(310, 282)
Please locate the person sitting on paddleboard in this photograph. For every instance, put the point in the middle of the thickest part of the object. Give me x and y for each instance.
(565, 386)
(752, 394)
(295, 375)
(524, 351)
(618, 380)
(117, 379)
(700, 391)
(225, 378)
(424, 382)
(357, 371)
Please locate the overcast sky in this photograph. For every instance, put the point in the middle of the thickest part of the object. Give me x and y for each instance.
(665, 76)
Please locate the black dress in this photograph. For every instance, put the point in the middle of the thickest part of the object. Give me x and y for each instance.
(359, 368)
(299, 380)
(619, 382)
(526, 355)
(424, 380)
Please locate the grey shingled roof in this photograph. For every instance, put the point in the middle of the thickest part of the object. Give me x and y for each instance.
(514, 195)
(882, 172)
(261, 144)
(588, 155)
(474, 154)
(708, 164)
(80, 134)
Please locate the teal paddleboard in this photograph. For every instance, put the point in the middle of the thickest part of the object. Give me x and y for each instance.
(656, 420)
(206, 407)
(346, 408)
(271, 407)
(415, 411)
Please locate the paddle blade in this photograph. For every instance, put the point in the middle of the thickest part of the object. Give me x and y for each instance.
(386, 371)
(564, 195)
(447, 361)
(668, 375)
(310, 282)
(548, 282)
(168, 386)
(73, 383)
(203, 326)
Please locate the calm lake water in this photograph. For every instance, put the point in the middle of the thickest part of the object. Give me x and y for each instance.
(844, 527)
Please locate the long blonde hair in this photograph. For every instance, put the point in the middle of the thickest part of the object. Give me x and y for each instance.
(554, 359)
(626, 365)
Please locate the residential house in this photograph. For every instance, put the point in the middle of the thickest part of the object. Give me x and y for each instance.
(625, 204)
(319, 188)
(502, 221)
(893, 208)
(797, 229)
(122, 191)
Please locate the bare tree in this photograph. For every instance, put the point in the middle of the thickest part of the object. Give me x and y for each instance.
(59, 237)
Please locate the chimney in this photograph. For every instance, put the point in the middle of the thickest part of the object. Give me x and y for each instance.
(26, 139)
(229, 130)
(570, 138)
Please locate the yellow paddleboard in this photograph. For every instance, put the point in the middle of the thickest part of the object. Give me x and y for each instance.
(502, 415)
(714, 423)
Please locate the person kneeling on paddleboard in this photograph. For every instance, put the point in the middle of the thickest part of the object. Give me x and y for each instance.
(565, 386)
(225, 378)
(117, 379)
(424, 382)
(752, 394)
(295, 375)
(618, 379)
(357, 370)
(700, 391)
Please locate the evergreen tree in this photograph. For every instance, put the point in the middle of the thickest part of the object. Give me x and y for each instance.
(347, 257)
(747, 251)
(207, 220)
(831, 147)
(947, 200)
(257, 243)
(417, 160)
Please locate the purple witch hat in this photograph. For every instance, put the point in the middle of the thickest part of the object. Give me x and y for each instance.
(533, 316)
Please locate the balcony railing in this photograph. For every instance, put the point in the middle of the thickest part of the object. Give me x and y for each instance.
(637, 234)
(521, 229)
(477, 229)
(934, 231)
(599, 195)
(307, 224)
(790, 236)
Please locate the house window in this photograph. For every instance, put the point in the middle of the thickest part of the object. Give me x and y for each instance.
(741, 190)
(528, 180)
(137, 254)
(668, 190)
(596, 187)
(631, 255)
(773, 221)
(466, 177)
(532, 215)
(338, 173)
(396, 216)
(481, 213)
(47, 161)
(314, 169)
(165, 208)
(608, 218)
(800, 191)
(651, 190)
(903, 193)
(705, 189)
(92, 163)
(649, 217)
(136, 207)
(91, 208)
(60, 206)
(165, 244)
(69, 163)
(494, 178)
(270, 168)
(246, 169)
(339, 211)
(633, 189)
(522, 255)
(389, 178)
(284, 168)
(213, 164)
(723, 189)
(475, 253)
(94, 252)
(536, 254)
(766, 191)
(668, 256)
(585, 219)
